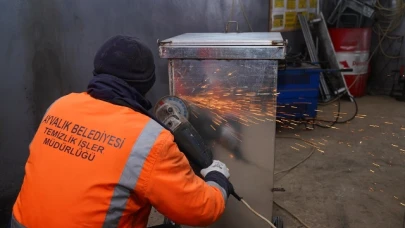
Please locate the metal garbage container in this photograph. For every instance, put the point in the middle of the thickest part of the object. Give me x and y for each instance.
(230, 82)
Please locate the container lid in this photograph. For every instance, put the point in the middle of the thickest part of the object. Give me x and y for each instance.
(226, 39)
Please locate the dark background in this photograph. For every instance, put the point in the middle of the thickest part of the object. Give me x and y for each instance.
(47, 49)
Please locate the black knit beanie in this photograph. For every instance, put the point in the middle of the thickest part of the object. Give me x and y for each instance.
(129, 59)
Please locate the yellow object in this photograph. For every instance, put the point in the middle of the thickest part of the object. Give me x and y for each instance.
(291, 4)
(278, 3)
(284, 13)
(313, 3)
(290, 19)
(302, 4)
(278, 21)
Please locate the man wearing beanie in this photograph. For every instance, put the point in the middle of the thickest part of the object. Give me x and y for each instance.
(99, 159)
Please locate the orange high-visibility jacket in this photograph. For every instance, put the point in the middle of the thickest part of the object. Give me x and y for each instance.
(96, 164)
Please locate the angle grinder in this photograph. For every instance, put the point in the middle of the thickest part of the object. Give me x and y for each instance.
(223, 131)
(174, 112)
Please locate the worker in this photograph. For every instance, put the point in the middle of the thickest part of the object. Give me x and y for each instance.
(99, 159)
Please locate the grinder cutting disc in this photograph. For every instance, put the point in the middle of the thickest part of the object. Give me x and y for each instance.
(173, 112)
(176, 102)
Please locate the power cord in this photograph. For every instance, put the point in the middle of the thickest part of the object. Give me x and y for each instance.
(283, 171)
(332, 122)
(258, 214)
(299, 163)
(293, 167)
(351, 118)
(292, 215)
(336, 121)
(266, 220)
(234, 194)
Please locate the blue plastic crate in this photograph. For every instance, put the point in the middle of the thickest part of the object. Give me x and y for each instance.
(298, 92)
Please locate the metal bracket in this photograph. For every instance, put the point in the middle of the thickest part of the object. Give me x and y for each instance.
(162, 43)
(227, 24)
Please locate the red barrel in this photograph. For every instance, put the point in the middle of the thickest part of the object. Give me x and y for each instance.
(352, 47)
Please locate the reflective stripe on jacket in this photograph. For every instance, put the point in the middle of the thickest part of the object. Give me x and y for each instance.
(95, 164)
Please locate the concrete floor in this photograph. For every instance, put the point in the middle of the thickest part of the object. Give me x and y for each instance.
(356, 176)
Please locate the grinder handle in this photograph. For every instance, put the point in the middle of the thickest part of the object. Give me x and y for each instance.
(192, 145)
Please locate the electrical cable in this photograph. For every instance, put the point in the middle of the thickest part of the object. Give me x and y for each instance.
(333, 100)
(287, 170)
(234, 194)
(306, 158)
(257, 213)
(351, 118)
(299, 163)
(394, 16)
(336, 121)
(293, 167)
(379, 6)
(332, 122)
(390, 56)
(292, 215)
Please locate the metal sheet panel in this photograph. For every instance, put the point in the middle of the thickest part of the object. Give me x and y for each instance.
(234, 108)
(222, 52)
(254, 45)
(226, 39)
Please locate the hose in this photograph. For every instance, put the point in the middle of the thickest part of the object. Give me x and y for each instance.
(283, 171)
(333, 122)
(336, 121)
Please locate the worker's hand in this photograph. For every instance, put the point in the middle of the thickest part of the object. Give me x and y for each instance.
(216, 166)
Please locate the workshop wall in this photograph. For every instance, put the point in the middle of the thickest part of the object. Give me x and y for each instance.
(47, 49)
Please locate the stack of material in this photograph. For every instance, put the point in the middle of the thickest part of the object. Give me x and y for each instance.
(333, 84)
